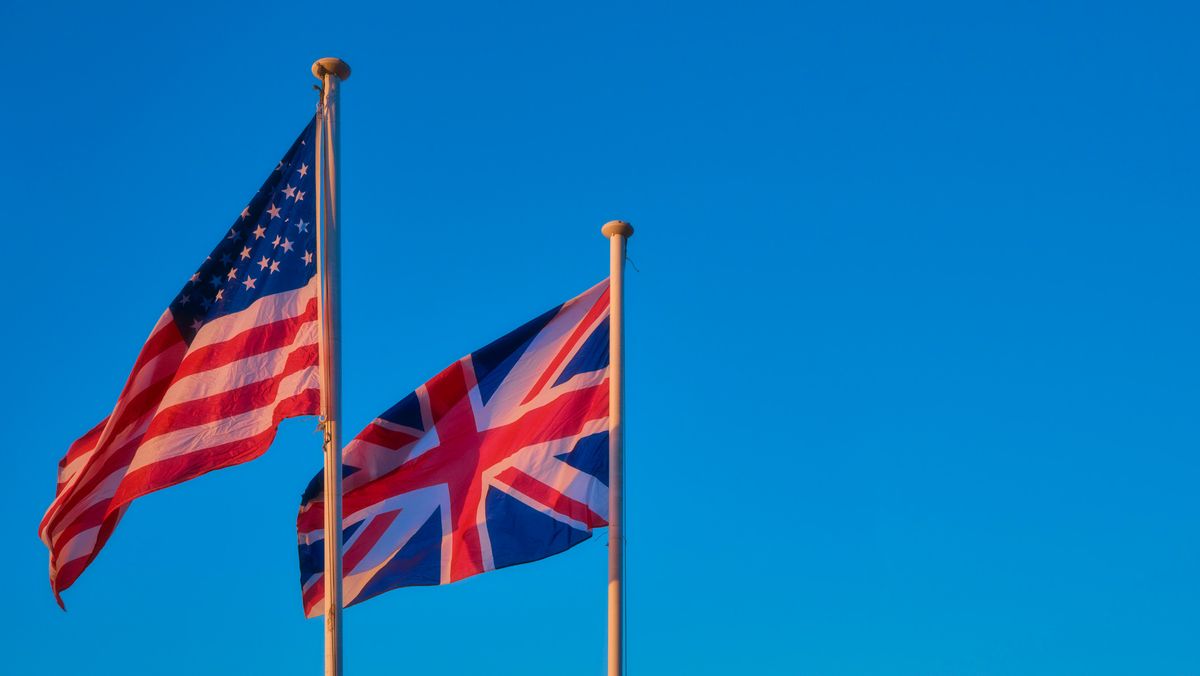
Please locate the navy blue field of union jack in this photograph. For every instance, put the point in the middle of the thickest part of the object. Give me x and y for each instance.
(500, 459)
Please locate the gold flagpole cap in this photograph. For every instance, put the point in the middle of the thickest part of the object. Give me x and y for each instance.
(332, 65)
(617, 228)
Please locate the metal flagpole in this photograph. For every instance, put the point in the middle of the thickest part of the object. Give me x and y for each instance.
(617, 233)
(331, 72)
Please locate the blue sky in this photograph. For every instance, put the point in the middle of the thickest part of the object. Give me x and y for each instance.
(912, 343)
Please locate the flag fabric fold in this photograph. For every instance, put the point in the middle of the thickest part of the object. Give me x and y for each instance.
(233, 355)
(500, 459)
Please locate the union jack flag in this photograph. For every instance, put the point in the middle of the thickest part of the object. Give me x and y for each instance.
(234, 353)
(500, 459)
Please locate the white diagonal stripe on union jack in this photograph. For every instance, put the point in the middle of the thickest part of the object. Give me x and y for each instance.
(233, 355)
(500, 459)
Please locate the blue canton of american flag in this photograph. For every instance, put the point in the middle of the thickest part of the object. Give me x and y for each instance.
(500, 459)
(271, 247)
(235, 353)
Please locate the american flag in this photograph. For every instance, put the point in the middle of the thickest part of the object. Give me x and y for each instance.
(500, 459)
(234, 353)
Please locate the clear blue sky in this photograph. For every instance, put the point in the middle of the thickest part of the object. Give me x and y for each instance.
(913, 348)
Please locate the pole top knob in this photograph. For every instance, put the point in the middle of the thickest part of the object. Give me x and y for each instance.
(331, 65)
(617, 228)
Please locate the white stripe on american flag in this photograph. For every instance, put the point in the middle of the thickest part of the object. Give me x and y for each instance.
(81, 545)
(144, 377)
(265, 310)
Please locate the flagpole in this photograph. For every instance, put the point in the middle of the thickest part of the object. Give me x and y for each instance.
(331, 72)
(617, 233)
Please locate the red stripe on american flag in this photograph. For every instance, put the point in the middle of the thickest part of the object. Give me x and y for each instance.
(83, 445)
(162, 339)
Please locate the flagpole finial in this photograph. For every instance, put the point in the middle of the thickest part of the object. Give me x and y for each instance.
(617, 228)
(330, 64)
